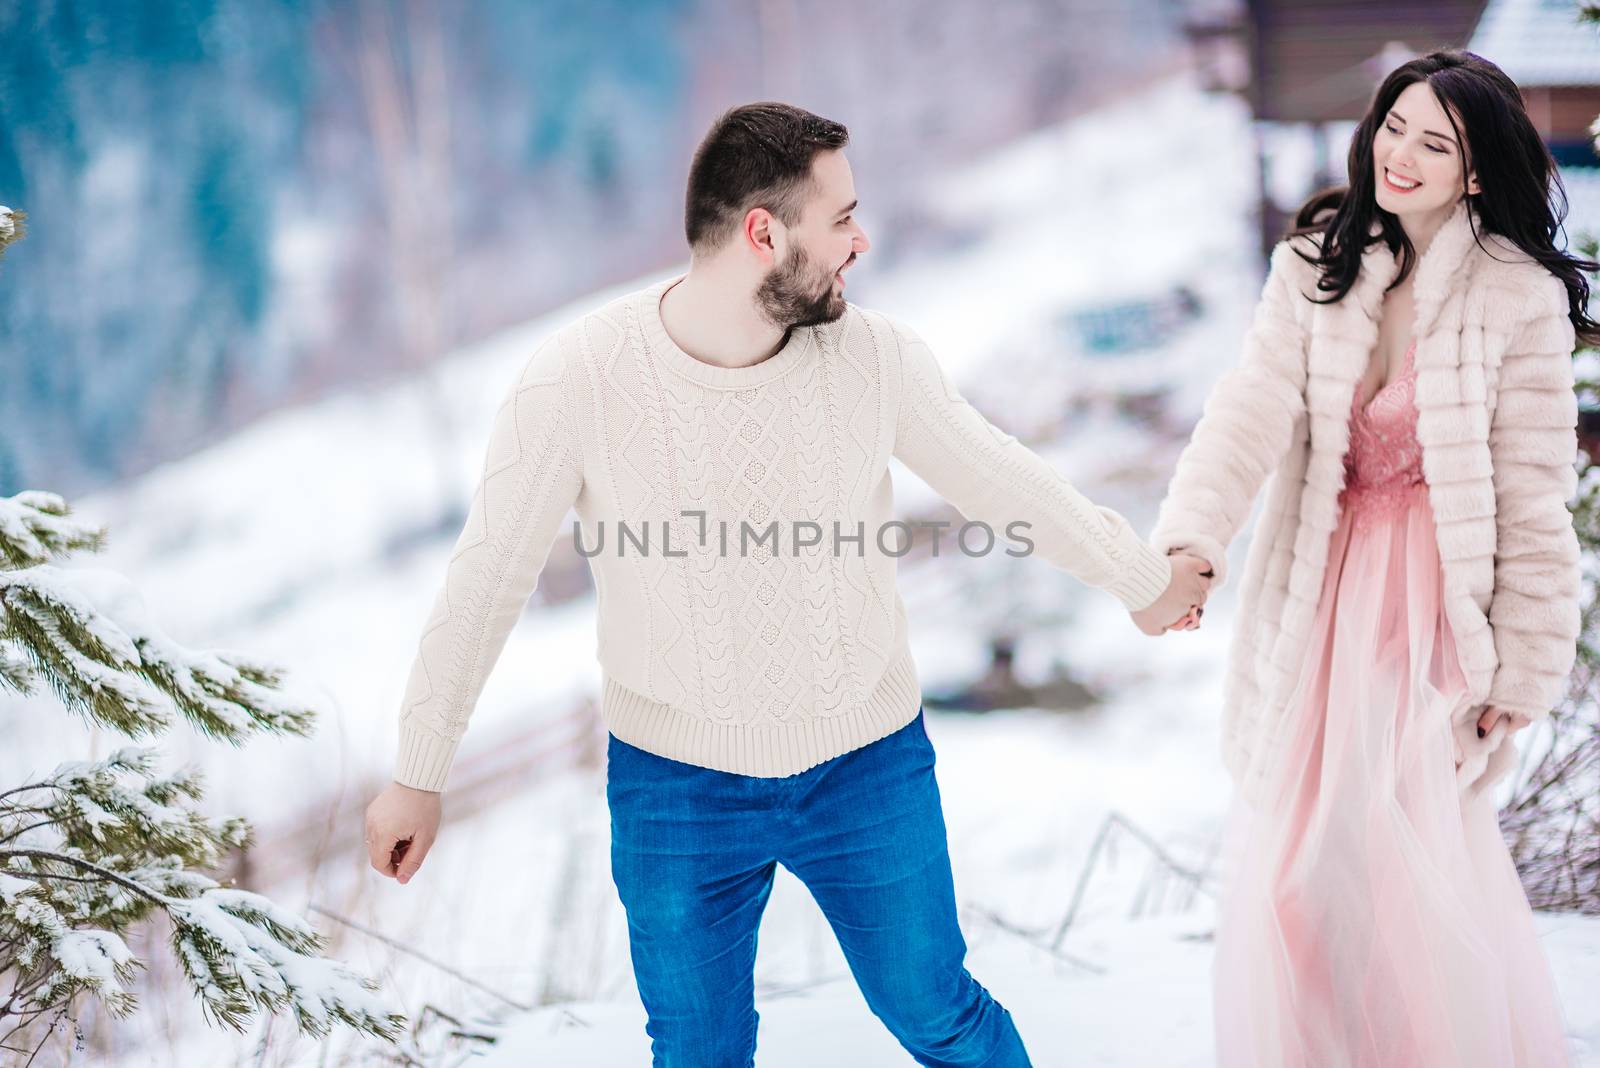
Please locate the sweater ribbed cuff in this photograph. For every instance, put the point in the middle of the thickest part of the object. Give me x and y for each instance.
(424, 760)
(1144, 578)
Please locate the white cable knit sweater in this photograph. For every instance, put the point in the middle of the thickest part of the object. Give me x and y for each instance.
(763, 663)
(1496, 418)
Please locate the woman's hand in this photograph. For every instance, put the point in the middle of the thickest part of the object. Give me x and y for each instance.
(1491, 715)
(1191, 618)
(1191, 581)
(1190, 621)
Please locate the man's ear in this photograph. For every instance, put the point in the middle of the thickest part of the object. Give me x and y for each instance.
(758, 235)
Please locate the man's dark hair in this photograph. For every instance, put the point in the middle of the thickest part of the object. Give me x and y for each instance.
(755, 156)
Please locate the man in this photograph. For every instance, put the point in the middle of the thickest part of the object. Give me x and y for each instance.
(762, 703)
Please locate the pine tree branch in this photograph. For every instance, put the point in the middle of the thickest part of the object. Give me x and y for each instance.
(48, 1031)
(37, 527)
(92, 665)
(121, 806)
(273, 963)
(60, 1009)
(127, 841)
(18, 833)
(46, 785)
(51, 876)
(16, 674)
(11, 228)
(90, 634)
(20, 993)
(106, 874)
(10, 812)
(242, 952)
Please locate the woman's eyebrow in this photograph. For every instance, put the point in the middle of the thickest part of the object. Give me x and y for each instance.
(1431, 133)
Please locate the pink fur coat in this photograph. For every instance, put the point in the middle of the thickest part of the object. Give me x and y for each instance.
(1497, 420)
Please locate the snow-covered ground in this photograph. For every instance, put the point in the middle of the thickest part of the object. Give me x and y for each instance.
(307, 540)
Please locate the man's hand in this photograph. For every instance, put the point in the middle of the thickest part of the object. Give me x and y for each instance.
(1191, 581)
(401, 825)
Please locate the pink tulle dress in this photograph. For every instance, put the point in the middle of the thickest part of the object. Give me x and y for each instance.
(1370, 914)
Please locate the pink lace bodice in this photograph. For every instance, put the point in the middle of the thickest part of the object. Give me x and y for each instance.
(1383, 467)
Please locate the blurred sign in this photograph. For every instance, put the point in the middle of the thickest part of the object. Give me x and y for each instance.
(1132, 326)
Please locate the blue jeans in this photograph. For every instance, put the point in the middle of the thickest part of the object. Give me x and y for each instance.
(694, 851)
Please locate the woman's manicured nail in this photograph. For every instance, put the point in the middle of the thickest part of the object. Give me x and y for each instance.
(1481, 732)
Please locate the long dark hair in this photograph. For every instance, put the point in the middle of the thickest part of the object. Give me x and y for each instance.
(1522, 197)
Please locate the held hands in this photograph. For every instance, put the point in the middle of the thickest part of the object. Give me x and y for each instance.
(1184, 600)
(401, 825)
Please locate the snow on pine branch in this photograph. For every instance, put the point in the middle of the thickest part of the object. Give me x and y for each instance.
(36, 527)
(274, 964)
(84, 959)
(97, 846)
(89, 632)
(240, 952)
(121, 806)
(15, 671)
(11, 228)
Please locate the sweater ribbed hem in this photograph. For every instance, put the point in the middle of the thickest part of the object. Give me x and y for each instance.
(1146, 578)
(424, 760)
(768, 751)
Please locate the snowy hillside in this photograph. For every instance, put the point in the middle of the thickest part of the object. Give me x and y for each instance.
(316, 539)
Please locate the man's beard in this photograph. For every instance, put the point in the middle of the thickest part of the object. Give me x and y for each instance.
(791, 295)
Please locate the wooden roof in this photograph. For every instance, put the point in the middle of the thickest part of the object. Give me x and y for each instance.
(1320, 60)
(1539, 42)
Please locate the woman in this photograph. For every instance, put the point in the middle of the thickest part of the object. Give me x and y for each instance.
(1411, 595)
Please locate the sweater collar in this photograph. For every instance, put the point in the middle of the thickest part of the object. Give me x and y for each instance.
(796, 349)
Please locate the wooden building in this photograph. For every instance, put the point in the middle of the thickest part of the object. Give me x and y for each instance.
(1556, 62)
(1317, 62)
